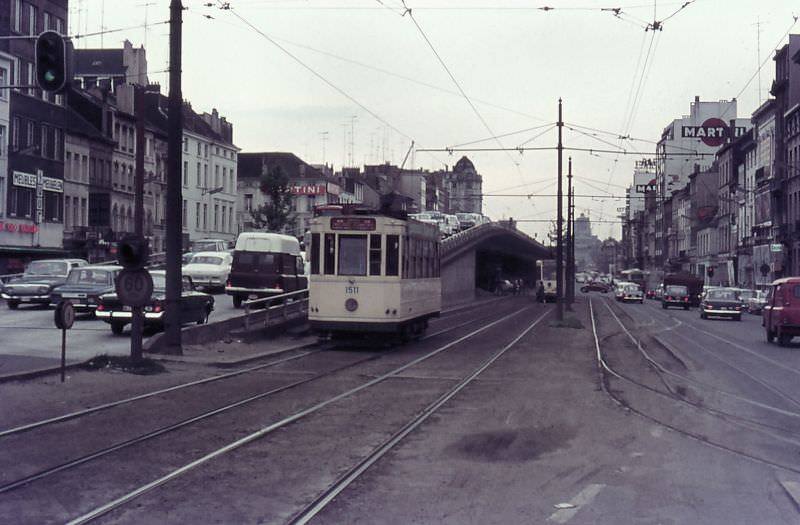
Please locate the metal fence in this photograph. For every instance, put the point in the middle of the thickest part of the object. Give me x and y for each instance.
(267, 311)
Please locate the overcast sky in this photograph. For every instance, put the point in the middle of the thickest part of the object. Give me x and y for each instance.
(314, 77)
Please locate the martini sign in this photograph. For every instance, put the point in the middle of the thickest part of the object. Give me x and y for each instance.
(713, 132)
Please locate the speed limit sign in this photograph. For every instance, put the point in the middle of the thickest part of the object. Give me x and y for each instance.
(134, 287)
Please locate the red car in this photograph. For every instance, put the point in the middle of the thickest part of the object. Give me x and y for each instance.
(781, 314)
(595, 286)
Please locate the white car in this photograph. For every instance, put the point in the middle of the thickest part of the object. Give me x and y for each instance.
(209, 270)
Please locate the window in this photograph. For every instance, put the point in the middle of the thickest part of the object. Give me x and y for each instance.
(15, 127)
(185, 173)
(248, 201)
(315, 253)
(183, 212)
(44, 149)
(32, 20)
(2, 195)
(205, 176)
(3, 82)
(46, 21)
(224, 211)
(185, 145)
(29, 137)
(18, 16)
(68, 207)
(216, 217)
(352, 255)
(205, 150)
(330, 254)
(198, 148)
(197, 216)
(53, 206)
(20, 202)
(392, 254)
(198, 174)
(216, 176)
(205, 216)
(82, 219)
(374, 254)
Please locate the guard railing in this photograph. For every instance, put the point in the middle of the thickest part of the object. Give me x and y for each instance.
(267, 311)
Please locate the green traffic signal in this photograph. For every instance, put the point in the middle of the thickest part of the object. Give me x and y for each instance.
(52, 52)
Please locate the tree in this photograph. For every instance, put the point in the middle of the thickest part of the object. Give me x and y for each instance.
(273, 215)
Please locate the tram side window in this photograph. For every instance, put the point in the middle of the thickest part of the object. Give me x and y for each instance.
(352, 255)
(374, 254)
(405, 257)
(392, 254)
(315, 253)
(418, 272)
(330, 254)
(436, 259)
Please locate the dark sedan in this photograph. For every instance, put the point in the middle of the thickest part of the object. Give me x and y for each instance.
(85, 285)
(40, 277)
(675, 295)
(595, 286)
(721, 302)
(195, 306)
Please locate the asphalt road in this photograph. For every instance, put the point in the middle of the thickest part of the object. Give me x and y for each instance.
(30, 339)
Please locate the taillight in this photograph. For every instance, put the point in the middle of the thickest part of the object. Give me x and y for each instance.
(685, 299)
(157, 308)
(100, 307)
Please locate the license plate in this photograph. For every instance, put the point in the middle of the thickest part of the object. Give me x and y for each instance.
(25, 299)
(73, 295)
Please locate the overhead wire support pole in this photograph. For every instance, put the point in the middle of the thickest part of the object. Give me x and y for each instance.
(570, 241)
(137, 315)
(174, 216)
(559, 226)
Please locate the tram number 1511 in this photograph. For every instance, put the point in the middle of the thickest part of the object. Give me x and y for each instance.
(351, 289)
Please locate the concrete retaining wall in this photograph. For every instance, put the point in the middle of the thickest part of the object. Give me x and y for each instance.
(458, 280)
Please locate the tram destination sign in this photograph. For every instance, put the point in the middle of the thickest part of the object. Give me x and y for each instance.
(364, 224)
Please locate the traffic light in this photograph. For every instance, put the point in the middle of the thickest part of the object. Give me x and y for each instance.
(52, 61)
(133, 252)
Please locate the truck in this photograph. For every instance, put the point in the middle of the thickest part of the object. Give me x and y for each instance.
(693, 283)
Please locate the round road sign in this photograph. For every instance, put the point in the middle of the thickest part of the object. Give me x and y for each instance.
(134, 287)
(65, 315)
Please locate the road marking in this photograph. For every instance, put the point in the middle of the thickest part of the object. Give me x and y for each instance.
(792, 488)
(584, 497)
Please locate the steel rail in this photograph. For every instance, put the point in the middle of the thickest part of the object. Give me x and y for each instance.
(344, 481)
(605, 368)
(144, 489)
(708, 387)
(106, 406)
(169, 428)
(180, 424)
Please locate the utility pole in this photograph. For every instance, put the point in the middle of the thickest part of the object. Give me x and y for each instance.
(570, 241)
(559, 221)
(174, 215)
(137, 315)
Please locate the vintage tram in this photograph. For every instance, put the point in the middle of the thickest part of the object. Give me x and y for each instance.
(372, 273)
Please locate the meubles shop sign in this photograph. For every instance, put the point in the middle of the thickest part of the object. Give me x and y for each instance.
(713, 132)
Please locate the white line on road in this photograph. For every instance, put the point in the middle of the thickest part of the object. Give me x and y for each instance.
(583, 498)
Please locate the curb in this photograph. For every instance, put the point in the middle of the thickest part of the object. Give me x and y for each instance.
(37, 372)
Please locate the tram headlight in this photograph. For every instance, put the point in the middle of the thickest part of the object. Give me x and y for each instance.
(351, 305)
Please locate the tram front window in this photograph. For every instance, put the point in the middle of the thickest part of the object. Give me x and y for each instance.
(352, 255)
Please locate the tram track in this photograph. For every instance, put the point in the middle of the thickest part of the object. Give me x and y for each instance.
(313, 348)
(606, 373)
(63, 466)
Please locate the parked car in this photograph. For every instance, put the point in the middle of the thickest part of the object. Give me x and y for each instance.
(676, 295)
(631, 292)
(721, 302)
(209, 245)
(781, 313)
(265, 264)
(85, 285)
(209, 270)
(595, 286)
(756, 303)
(37, 282)
(195, 306)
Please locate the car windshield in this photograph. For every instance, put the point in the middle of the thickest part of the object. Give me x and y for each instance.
(631, 288)
(47, 268)
(677, 290)
(746, 294)
(722, 295)
(205, 259)
(159, 281)
(90, 276)
(205, 246)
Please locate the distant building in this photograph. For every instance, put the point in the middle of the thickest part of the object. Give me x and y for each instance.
(110, 68)
(464, 187)
(586, 244)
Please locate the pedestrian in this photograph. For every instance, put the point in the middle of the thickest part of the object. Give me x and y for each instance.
(540, 292)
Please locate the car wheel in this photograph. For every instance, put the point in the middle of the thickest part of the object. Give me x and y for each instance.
(117, 328)
(584, 289)
(702, 315)
(664, 306)
(13, 305)
(784, 339)
(237, 301)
